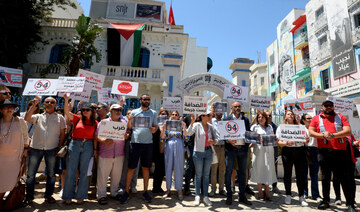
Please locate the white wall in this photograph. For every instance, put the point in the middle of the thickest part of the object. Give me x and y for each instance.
(196, 59)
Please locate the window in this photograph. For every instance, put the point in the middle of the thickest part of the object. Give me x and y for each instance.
(357, 20)
(325, 79)
(308, 86)
(319, 12)
(272, 59)
(322, 42)
(243, 83)
(262, 80)
(113, 47)
(56, 53)
(255, 79)
(144, 58)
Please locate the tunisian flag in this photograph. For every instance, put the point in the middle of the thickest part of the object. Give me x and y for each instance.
(171, 16)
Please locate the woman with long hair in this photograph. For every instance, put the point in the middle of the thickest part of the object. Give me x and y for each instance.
(174, 155)
(81, 149)
(293, 154)
(263, 171)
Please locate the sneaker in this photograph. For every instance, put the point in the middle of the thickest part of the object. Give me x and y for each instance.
(303, 202)
(323, 205)
(147, 197)
(233, 189)
(244, 200)
(121, 191)
(223, 192)
(288, 200)
(338, 202)
(229, 200)
(61, 193)
(197, 200)
(276, 190)
(133, 190)
(212, 193)
(351, 208)
(124, 198)
(207, 202)
(248, 190)
(318, 199)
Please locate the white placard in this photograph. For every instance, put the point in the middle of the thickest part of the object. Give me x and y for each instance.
(41, 87)
(291, 132)
(96, 80)
(232, 129)
(70, 84)
(260, 102)
(343, 105)
(105, 95)
(220, 107)
(174, 125)
(236, 93)
(194, 105)
(125, 88)
(358, 109)
(112, 130)
(172, 103)
(81, 96)
(11, 77)
(299, 106)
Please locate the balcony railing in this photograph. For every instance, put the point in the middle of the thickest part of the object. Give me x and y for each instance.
(321, 22)
(302, 64)
(58, 22)
(300, 39)
(37, 68)
(351, 3)
(135, 73)
(356, 35)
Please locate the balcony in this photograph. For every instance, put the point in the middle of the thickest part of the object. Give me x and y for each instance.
(356, 35)
(300, 40)
(61, 23)
(132, 73)
(54, 72)
(351, 3)
(320, 23)
(302, 64)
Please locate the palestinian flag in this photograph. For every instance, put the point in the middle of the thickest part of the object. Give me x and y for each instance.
(130, 42)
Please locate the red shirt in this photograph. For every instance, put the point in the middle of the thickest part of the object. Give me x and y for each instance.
(207, 139)
(329, 124)
(82, 130)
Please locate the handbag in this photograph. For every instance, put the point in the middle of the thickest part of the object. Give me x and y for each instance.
(63, 151)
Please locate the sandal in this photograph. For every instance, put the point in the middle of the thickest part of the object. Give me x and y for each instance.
(102, 201)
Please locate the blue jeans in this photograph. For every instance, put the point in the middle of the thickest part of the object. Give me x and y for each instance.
(313, 165)
(34, 158)
(79, 155)
(202, 163)
(230, 156)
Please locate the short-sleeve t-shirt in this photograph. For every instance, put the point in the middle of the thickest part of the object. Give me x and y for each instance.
(83, 130)
(143, 135)
(329, 123)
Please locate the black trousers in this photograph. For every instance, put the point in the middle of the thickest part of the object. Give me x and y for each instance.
(337, 163)
(294, 156)
(159, 172)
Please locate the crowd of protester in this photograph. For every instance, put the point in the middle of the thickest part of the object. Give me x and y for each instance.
(195, 151)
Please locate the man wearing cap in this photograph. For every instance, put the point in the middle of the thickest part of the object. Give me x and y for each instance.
(330, 129)
(48, 137)
(111, 158)
(236, 149)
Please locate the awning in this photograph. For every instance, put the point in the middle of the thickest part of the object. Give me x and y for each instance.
(298, 22)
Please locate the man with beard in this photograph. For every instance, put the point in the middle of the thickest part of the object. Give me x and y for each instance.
(141, 146)
(330, 129)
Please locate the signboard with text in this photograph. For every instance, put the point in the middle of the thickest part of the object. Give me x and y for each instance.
(194, 105)
(105, 95)
(260, 102)
(236, 93)
(70, 84)
(343, 105)
(96, 80)
(112, 130)
(41, 87)
(125, 88)
(290, 132)
(11, 77)
(299, 106)
(172, 103)
(232, 129)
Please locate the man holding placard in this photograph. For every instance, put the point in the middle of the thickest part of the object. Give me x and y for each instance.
(111, 153)
(236, 149)
(141, 146)
(331, 129)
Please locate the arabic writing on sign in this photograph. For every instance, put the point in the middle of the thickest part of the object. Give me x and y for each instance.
(71, 84)
(260, 102)
(112, 130)
(289, 132)
(194, 105)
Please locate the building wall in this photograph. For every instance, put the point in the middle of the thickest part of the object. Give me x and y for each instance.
(194, 54)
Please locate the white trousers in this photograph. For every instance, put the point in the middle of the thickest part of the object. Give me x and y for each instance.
(109, 167)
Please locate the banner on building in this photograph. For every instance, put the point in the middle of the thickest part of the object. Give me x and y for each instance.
(299, 106)
(194, 105)
(291, 132)
(120, 10)
(125, 88)
(96, 80)
(112, 130)
(70, 84)
(342, 105)
(11, 77)
(232, 129)
(260, 102)
(172, 103)
(236, 93)
(342, 52)
(41, 87)
(220, 107)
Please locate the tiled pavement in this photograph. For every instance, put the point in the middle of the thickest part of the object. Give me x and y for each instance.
(136, 203)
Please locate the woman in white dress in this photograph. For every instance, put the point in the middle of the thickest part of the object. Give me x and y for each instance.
(263, 171)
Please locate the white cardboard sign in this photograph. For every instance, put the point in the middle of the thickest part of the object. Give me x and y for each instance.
(232, 129)
(112, 130)
(70, 84)
(81, 96)
(172, 103)
(291, 132)
(125, 88)
(342, 105)
(11, 77)
(260, 102)
(96, 80)
(236, 93)
(41, 87)
(194, 105)
(105, 95)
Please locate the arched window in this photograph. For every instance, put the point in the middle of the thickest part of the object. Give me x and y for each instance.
(144, 58)
(56, 53)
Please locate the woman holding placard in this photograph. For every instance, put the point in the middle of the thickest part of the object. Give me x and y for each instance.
(174, 155)
(81, 150)
(293, 153)
(202, 156)
(263, 171)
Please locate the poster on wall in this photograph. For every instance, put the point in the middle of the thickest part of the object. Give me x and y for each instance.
(342, 52)
(299, 106)
(118, 10)
(148, 12)
(342, 105)
(11, 77)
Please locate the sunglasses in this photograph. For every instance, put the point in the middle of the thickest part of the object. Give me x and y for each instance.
(328, 105)
(174, 114)
(270, 115)
(236, 106)
(87, 110)
(49, 102)
(6, 93)
(308, 118)
(99, 108)
(146, 99)
(117, 110)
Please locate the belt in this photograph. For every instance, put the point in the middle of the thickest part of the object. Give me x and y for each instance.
(82, 139)
(207, 147)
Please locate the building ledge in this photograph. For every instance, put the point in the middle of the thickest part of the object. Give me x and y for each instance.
(301, 73)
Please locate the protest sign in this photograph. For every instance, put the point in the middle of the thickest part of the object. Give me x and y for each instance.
(342, 105)
(299, 106)
(81, 96)
(290, 132)
(105, 95)
(142, 122)
(220, 107)
(269, 140)
(70, 84)
(174, 125)
(172, 103)
(358, 109)
(161, 120)
(233, 129)
(252, 137)
(125, 88)
(41, 87)
(11, 77)
(96, 80)
(194, 105)
(112, 130)
(236, 93)
(260, 102)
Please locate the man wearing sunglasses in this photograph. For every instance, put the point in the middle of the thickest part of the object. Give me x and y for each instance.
(48, 137)
(4, 93)
(331, 129)
(102, 110)
(141, 146)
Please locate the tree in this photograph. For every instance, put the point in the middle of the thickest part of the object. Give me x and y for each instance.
(20, 27)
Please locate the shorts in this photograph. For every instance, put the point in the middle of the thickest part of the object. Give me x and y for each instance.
(142, 151)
